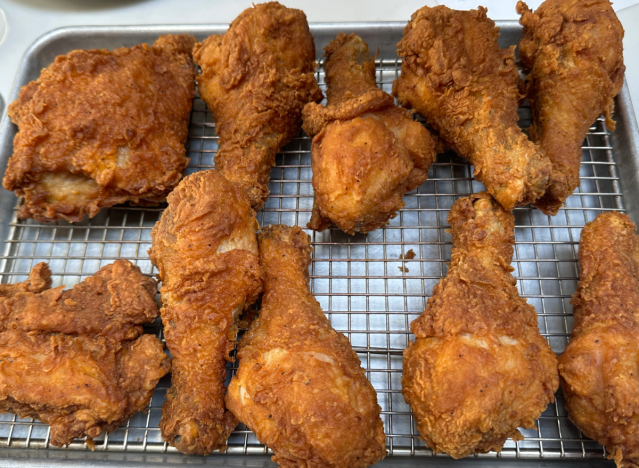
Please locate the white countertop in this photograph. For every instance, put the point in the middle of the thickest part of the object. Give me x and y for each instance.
(29, 19)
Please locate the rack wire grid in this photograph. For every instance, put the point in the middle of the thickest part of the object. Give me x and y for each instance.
(363, 283)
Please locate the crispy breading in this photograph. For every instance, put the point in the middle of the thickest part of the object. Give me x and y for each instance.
(114, 302)
(39, 280)
(205, 249)
(100, 128)
(600, 367)
(479, 368)
(299, 386)
(256, 79)
(366, 152)
(467, 88)
(67, 358)
(573, 51)
(80, 385)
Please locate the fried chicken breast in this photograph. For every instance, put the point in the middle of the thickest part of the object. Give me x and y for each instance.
(100, 128)
(478, 368)
(367, 152)
(256, 78)
(467, 88)
(73, 359)
(600, 367)
(299, 386)
(205, 249)
(573, 52)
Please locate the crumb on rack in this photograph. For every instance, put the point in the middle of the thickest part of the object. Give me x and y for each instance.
(409, 255)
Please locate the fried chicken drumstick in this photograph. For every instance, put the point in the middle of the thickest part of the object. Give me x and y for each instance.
(100, 128)
(256, 78)
(367, 152)
(466, 87)
(74, 359)
(600, 367)
(574, 54)
(479, 368)
(205, 249)
(299, 386)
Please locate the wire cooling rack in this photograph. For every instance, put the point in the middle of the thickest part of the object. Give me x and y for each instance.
(367, 288)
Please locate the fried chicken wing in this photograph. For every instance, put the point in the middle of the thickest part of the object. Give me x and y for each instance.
(367, 152)
(299, 386)
(205, 249)
(467, 88)
(478, 368)
(115, 302)
(256, 79)
(600, 367)
(100, 128)
(80, 376)
(574, 54)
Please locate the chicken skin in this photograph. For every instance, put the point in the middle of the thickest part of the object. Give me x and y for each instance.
(100, 128)
(299, 386)
(478, 368)
(467, 88)
(256, 78)
(82, 378)
(367, 152)
(574, 54)
(600, 368)
(205, 249)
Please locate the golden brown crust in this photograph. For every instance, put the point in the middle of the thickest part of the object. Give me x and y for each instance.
(114, 302)
(300, 387)
(466, 87)
(66, 357)
(256, 79)
(205, 249)
(574, 54)
(366, 153)
(600, 366)
(39, 280)
(100, 128)
(80, 385)
(479, 368)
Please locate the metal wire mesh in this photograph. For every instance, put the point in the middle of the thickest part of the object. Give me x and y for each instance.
(365, 286)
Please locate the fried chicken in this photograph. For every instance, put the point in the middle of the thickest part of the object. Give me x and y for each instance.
(71, 359)
(115, 302)
(478, 368)
(100, 128)
(367, 152)
(574, 54)
(600, 367)
(467, 88)
(205, 249)
(299, 386)
(256, 79)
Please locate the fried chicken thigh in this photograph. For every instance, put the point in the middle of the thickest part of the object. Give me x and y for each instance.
(299, 386)
(600, 367)
(73, 359)
(256, 78)
(367, 152)
(100, 128)
(574, 54)
(205, 249)
(478, 368)
(467, 88)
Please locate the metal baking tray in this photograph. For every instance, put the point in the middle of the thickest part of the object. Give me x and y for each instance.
(366, 289)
